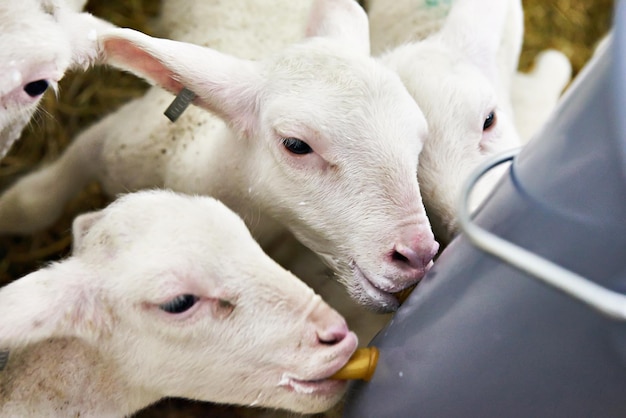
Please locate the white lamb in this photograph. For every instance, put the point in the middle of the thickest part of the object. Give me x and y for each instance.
(318, 137)
(533, 94)
(39, 41)
(461, 78)
(166, 295)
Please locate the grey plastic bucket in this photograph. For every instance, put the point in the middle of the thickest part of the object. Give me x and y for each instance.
(482, 337)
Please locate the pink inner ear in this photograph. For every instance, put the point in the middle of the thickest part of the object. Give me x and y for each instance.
(135, 59)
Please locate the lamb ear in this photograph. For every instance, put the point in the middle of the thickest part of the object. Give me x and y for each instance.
(343, 20)
(512, 40)
(56, 301)
(223, 84)
(81, 225)
(475, 27)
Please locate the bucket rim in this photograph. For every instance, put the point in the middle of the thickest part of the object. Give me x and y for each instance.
(608, 302)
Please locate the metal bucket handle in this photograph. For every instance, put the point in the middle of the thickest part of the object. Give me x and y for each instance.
(607, 302)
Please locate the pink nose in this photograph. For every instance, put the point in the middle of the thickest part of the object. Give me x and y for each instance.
(414, 250)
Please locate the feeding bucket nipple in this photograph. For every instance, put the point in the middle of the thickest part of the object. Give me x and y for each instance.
(361, 365)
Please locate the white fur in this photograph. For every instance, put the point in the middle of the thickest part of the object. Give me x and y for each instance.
(39, 40)
(459, 61)
(354, 201)
(535, 94)
(87, 337)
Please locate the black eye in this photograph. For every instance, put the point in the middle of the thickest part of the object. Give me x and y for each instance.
(179, 304)
(489, 121)
(297, 146)
(36, 88)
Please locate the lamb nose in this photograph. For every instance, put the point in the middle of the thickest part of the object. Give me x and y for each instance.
(416, 258)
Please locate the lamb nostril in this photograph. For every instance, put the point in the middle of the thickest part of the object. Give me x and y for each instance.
(405, 256)
(333, 335)
(36, 88)
(396, 256)
(328, 342)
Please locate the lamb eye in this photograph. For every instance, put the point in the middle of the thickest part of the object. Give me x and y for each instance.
(36, 88)
(489, 121)
(297, 146)
(179, 304)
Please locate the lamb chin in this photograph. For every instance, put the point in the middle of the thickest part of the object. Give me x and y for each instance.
(371, 296)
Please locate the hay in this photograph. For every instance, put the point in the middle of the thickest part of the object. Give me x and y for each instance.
(572, 26)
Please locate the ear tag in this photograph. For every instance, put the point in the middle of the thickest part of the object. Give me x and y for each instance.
(4, 358)
(180, 103)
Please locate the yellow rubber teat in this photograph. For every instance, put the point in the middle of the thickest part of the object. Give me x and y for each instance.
(361, 365)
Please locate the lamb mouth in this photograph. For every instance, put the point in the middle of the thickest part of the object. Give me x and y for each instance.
(320, 385)
(317, 387)
(378, 298)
